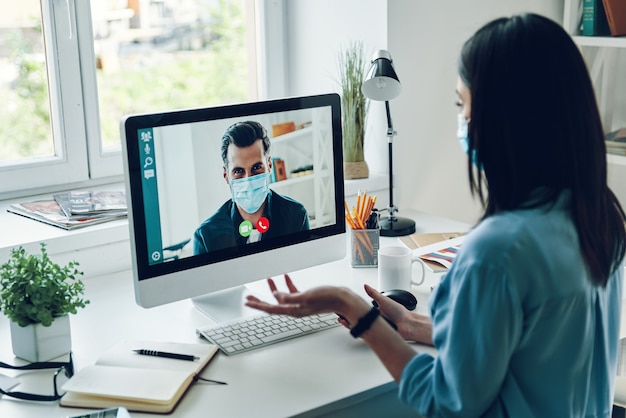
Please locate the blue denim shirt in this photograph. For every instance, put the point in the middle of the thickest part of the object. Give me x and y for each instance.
(520, 330)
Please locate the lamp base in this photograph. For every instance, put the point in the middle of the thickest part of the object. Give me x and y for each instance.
(396, 226)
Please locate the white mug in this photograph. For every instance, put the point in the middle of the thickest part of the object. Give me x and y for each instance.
(395, 268)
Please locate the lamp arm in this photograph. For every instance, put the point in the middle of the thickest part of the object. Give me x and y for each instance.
(389, 125)
(390, 134)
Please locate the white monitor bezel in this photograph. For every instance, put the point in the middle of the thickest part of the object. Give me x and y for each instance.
(165, 283)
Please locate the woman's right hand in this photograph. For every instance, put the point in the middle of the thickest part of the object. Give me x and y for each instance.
(410, 325)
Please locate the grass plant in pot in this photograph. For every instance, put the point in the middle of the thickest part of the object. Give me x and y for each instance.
(37, 295)
(354, 107)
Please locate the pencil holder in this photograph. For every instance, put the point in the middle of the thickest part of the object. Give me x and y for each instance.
(364, 247)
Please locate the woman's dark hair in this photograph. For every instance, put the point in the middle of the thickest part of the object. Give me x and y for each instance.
(244, 134)
(535, 129)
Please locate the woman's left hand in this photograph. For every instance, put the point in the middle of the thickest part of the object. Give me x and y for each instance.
(321, 299)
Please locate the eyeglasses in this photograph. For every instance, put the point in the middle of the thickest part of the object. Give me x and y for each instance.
(64, 371)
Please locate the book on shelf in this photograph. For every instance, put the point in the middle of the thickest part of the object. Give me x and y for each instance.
(82, 203)
(48, 211)
(437, 250)
(278, 170)
(615, 142)
(138, 382)
(616, 16)
(594, 21)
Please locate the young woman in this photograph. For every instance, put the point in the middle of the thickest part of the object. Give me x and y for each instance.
(526, 322)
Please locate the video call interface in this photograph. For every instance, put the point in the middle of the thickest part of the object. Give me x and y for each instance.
(191, 210)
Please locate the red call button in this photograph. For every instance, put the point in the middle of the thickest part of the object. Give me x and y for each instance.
(263, 225)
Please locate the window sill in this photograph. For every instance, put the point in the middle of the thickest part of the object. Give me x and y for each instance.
(99, 249)
(104, 248)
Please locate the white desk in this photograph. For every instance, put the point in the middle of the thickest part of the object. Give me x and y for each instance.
(320, 374)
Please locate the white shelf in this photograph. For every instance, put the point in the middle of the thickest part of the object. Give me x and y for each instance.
(604, 56)
(600, 41)
(616, 159)
(294, 180)
(290, 136)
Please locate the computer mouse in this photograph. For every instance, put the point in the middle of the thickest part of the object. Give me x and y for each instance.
(403, 297)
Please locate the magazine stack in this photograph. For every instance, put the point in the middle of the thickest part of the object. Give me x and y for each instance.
(75, 209)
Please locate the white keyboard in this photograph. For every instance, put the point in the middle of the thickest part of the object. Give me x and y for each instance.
(262, 330)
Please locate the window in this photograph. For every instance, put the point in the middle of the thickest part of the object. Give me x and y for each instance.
(73, 68)
(24, 86)
(34, 33)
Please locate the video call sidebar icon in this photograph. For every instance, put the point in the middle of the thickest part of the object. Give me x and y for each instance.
(148, 161)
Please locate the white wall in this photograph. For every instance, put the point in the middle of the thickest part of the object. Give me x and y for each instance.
(316, 30)
(424, 39)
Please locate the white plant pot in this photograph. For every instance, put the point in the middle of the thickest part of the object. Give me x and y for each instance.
(35, 342)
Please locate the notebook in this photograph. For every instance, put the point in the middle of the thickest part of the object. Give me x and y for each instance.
(144, 383)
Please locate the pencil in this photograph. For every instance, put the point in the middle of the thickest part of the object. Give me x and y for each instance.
(359, 254)
(349, 218)
(367, 243)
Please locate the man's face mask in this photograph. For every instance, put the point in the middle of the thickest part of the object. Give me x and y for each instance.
(249, 193)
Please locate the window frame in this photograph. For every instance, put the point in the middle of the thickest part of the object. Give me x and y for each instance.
(79, 159)
(102, 163)
(68, 165)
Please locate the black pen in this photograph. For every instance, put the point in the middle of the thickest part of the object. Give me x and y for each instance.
(165, 354)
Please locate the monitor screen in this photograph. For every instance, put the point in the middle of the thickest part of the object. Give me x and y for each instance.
(223, 196)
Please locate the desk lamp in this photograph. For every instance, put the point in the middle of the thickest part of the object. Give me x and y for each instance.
(382, 84)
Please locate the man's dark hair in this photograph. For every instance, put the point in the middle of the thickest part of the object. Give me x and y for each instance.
(244, 134)
(535, 128)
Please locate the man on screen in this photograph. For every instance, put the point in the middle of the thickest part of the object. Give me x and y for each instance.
(254, 212)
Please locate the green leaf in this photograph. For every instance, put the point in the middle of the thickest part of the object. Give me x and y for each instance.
(34, 289)
(354, 104)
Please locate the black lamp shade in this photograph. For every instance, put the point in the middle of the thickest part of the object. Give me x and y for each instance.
(381, 82)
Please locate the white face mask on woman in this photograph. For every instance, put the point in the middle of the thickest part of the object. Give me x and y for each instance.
(462, 133)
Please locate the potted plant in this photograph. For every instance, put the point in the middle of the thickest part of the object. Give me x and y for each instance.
(37, 295)
(354, 106)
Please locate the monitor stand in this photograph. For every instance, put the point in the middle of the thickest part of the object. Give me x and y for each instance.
(225, 305)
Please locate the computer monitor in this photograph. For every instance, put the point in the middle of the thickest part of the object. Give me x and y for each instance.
(196, 228)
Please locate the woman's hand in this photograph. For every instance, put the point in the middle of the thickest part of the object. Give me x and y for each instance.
(410, 325)
(389, 345)
(323, 299)
(345, 303)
